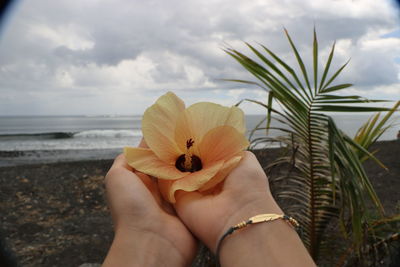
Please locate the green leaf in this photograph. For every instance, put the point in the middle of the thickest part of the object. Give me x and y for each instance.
(321, 172)
(291, 71)
(299, 60)
(315, 61)
(334, 76)
(336, 88)
(327, 66)
(351, 101)
(326, 108)
(269, 63)
(245, 82)
(269, 110)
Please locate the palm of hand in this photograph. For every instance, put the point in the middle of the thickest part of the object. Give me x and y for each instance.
(136, 204)
(244, 194)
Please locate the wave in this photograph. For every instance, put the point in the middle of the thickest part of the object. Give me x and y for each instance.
(66, 135)
(108, 133)
(36, 136)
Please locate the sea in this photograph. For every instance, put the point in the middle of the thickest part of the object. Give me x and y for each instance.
(46, 139)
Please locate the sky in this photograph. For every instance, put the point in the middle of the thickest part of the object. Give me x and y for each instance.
(92, 57)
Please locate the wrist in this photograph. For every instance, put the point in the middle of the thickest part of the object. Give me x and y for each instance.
(138, 247)
(263, 205)
(248, 245)
(265, 244)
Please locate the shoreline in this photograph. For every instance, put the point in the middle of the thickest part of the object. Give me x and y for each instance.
(36, 157)
(56, 212)
(13, 158)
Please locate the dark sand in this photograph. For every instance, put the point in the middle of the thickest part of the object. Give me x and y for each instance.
(56, 215)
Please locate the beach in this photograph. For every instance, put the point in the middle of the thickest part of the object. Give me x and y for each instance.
(55, 214)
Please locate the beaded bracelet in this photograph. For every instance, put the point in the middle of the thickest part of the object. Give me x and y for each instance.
(256, 219)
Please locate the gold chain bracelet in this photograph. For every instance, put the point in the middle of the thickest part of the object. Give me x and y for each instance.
(255, 219)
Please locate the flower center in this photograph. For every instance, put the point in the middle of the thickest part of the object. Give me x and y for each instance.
(188, 162)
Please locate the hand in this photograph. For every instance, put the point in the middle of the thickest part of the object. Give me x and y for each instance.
(147, 231)
(245, 193)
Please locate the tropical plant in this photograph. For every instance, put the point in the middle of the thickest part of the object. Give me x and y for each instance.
(326, 183)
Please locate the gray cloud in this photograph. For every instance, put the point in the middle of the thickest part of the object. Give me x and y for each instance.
(54, 50)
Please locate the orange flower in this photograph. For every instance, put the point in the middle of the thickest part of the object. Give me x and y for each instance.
(191, 148)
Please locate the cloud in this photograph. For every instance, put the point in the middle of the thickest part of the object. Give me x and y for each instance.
(105, 52)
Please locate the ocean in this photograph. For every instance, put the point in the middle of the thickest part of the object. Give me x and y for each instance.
(37, 139)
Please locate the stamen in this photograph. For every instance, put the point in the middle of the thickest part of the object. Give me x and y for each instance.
(189, 143)
(188, 154)
(188, 162)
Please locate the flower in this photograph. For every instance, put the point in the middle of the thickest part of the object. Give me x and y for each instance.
(191, 148)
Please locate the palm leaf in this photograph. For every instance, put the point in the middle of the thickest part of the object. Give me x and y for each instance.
(373, 128)
(326, 181)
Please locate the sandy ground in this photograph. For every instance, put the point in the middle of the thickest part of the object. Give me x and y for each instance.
(56, 214)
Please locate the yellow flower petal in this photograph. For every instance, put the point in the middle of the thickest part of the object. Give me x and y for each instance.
(221, 175)
(189, 183)
(221, 143)
(217, 133)
(184, 132)
(144, 160)
(236, 119)
(200, 118)
(158, 127)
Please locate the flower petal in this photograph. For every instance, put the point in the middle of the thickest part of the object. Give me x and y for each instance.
(236, 119)
(223, 172)
(144, 160)
(221, 143)
(189, 183)
(201, 117)
(158, 127)
(184, 132)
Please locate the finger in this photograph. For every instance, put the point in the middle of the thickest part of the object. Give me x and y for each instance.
(184, 198)
(120, 162)
(187, 206)
(119, 167)
(124, 177)
(127, 194)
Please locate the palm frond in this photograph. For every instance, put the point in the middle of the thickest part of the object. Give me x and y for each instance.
(326, 180)
(369, 133)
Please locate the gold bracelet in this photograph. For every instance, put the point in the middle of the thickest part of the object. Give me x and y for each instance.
(255, 219)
